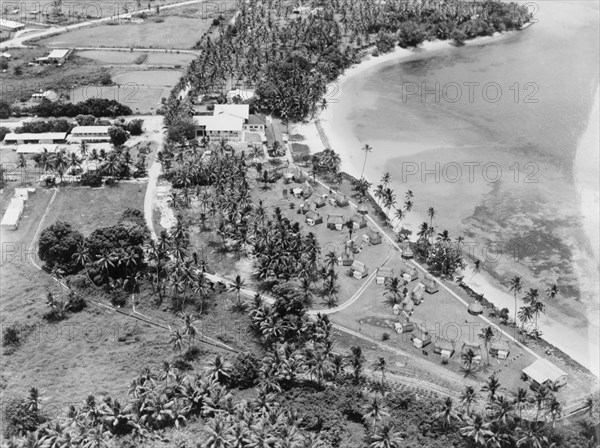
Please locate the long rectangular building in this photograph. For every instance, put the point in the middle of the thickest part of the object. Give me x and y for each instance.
(43, 137)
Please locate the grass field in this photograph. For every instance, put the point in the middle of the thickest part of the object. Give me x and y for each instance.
(33, 79)
(149, 34)
(123, 57)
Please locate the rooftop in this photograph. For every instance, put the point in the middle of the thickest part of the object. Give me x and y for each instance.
(33, 136)
(221, 122)
(235, 110)
(10, 24)
(90, 130)
(58, 54)
(542, 370)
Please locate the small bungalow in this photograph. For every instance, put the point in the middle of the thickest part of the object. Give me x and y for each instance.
(397, 309)
(404, 327)
(500, 349)
(444, 347)
(342, 201)
(475, 308)
(362, 209)
(476, 347)
(320, 202)
(358, 221)
(372, 236)
(406, 250)
(543, 372)
(335, 222)
(347, 258)
(431, 284)
(420, 337)
(383, 275)
(288, 177)
(313, 218)
(416, 295)
(307, 191)
(359, 270)
(297, 192)
(409, 271)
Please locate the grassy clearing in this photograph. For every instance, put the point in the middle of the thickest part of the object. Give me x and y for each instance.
(128, 58)
(149, 34)
(33, 79)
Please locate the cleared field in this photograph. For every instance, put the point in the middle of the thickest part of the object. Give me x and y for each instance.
(163, 78)
(149, 34)
(140, 98)
(123, 57)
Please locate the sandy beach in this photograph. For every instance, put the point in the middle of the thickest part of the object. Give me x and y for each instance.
(341, 137)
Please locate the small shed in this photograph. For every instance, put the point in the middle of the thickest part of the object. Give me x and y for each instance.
(362, 209)
(358, 221)
(420, 337)
(307, 190)
(404, 327)
(431, 284)
(475, 308)
(383, 275)
(444, 347)
(359, 270)
(543, 372)
(410, 271)
(335, 222)
(500, 349)
(288, 177)
(416, 295)
(372, 236)
(313, 218)
(347, 258)
(397, 309)
(352, 245)
(342, 201)
(297, 192)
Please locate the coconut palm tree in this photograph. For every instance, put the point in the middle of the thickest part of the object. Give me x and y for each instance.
(491, 387)
(431, 214)
(375, 411)
(468, 398)
(467, 358)
(385, 437)
(516, 287)
(220, 369)
(532, 436)
(357, 361)
(446, 412)
(477, 430)
(486, 336)
(22, 164)
(380, 366)
(554, 409)
(237, 286)
(367, 149)
(177, 340)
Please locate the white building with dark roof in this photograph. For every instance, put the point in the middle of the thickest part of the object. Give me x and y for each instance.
(10, 25)
(89, 134)
(542, 371)
(31, 138)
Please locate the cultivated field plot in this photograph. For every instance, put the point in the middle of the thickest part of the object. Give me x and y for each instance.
(141, 90)
(149, 34)
(128, 58)
(90, 208)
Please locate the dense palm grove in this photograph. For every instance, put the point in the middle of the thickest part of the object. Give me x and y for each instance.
(290, 58)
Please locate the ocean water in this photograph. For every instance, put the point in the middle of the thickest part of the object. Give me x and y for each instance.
(487, 135)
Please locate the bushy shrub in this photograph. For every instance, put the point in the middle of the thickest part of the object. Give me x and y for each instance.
(11, 336)
(91, 179)
(57, 245)
(245, 371)
(20, 417)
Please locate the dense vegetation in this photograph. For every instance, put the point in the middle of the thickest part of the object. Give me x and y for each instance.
(98, 107)
(290, 58)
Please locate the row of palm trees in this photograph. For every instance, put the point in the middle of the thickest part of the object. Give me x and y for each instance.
(534, 304)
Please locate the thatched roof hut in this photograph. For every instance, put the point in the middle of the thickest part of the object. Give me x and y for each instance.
(475, 308)
(372, 236)
(313, 218)
(431, 284)
(359, 269)
(500, 349)
(342, 201)
(358, 221)
(335, 222)
(362, 209)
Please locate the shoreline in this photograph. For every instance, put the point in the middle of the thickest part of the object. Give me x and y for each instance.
(337, 134)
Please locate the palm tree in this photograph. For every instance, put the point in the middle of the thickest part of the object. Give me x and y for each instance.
(520, 400)
(82, 258)
(431, 214)
(541, 395)
(554, 409)
(331, 260)
(375, 411)
(552, 291)
(491, 387)
(367, 149)
(220, 369)
(477, 430)
(524, 315)
(467, 358)
(105, 262)
(486, 336)
(385, 179)
(357, 361)
(532, 436)
(220, 434)
(22, 163)
(237, 286)
(177, 340)
(380, 365)
(467, 398)
(446, 413)
(516, 287)
(386, 437)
